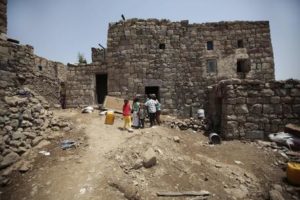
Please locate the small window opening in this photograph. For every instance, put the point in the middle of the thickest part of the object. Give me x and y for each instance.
(162, 46)
(240, 44)
(212, 66)
(210, 45)
(40, 68)
(242, 66)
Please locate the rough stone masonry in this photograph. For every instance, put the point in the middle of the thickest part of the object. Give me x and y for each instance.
(177, 58)
(178, 61)
(252, 109)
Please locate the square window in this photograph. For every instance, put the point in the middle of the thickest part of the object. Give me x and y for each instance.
(212, 66)
(240, 44)
(210, 45)
(162, 46)
(242, 66)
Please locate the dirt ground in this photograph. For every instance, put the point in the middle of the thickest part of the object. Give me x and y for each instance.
(105, 165)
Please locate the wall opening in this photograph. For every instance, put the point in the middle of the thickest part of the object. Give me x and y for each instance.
(213, 110)
(210, 45)
(40, 68)
(242, 66)
(240, 44)
(101, 87)
(63, 95)
(162, 46)
(152, 90)
(212, 66)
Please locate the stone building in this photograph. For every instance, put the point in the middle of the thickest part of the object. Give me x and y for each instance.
(18, 62)
(3, 18)
(227, 68)
(174, 60)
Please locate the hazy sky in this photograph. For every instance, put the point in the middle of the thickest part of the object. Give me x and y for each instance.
(59, 29)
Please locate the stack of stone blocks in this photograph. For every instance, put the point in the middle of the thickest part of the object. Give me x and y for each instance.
(252, 109)
(81, 83)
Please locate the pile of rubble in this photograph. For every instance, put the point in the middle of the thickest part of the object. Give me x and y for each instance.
(192, 123)
(25, 121)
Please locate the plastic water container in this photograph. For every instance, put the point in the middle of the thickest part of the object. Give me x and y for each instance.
(200, 113)
(110, 117)
(293, 173)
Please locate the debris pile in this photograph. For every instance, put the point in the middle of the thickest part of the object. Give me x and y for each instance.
(25, 121)
(192, 123)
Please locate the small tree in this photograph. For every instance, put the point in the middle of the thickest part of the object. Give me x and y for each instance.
(81, 58)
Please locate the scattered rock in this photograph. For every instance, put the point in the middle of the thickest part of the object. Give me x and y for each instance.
(275, 195)
(277, 187)
(66, 129)
(138, 164)
(176, 139)
(15, 100)
(9, 159)
(25, 166)
(238, 193)
(149, 158)
(4, 181)
(238, 162)
(128, 189)
(30, 135)
(36, 140)
(26, 123)
(194, 124)
(42, 144)
(218, 166)
(55, 128)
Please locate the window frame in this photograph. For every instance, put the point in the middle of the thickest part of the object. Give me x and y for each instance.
(210, 45)
(212, 66)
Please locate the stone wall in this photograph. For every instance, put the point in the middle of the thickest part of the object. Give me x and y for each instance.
(174, 57)
(3, 17)
(252, 108)
(81, 84)
(98, 55)
(25, 118)
(41, 75)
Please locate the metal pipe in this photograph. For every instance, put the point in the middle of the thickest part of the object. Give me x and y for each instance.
(214, 138)
(103, 50)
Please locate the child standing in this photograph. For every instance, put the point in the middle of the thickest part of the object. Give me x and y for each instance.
(158, 111)
(142, 115)
(127, 115)
(135, 109)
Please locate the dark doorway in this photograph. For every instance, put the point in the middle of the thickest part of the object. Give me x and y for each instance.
(101, 87)
(63, 95)
(152, 90)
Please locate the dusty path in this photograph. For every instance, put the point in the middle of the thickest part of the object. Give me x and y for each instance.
(72, 174)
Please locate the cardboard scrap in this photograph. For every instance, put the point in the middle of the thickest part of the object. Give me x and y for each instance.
(114, 103)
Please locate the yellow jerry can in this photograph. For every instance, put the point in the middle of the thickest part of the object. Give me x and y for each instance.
(293, 173)
(110, 117)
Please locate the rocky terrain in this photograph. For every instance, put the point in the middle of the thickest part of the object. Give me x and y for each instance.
(25, 121)
(110, 163)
